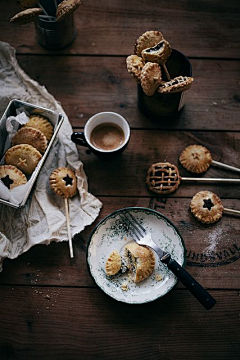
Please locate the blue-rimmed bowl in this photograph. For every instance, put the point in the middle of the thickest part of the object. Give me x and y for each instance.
(111, 234)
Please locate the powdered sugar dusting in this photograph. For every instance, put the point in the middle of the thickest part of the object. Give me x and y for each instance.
(213, 239)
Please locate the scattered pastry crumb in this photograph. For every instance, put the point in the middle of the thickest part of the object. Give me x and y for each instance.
(124, 287)
(158, 277)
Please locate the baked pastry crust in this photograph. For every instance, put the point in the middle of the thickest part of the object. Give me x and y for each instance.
(31, 136)
(25, 157)
(147, 40)
(26, 16)
(42, 124)
(66, 7)
(113, 263)
(63, 182)
(140, 261)
(163, 178)
(11, 176)
(178, 84)
(135, 65)
(151, 77)
(195, 158)
(207, 207)
(158, 53)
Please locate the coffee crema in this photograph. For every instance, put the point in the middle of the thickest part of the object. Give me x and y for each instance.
(107, 136)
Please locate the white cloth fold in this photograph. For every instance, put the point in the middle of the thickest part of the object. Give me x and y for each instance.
(42, 219)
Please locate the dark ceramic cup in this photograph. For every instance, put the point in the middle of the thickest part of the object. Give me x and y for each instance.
(162, 105)
(84, 138)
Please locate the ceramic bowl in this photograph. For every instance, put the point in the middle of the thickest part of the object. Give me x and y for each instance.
(112, 234)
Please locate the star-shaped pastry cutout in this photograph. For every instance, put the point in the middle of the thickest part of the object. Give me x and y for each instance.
(7, 181)
(208, 204)
(68, 180)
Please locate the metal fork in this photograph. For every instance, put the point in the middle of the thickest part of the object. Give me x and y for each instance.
(142, 237)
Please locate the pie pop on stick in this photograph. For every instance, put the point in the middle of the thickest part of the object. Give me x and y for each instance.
(164, 178)
(64, 183)
(197, 159)
(207, 207)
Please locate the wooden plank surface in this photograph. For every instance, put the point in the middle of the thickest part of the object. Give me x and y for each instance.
(69, 323)
(88, 85)
(199, 29)
(213, 251)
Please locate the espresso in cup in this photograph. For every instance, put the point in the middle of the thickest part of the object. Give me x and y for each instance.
(107, 136)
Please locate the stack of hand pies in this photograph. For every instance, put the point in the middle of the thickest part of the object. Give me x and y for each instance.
(28, 145)
(151, 54)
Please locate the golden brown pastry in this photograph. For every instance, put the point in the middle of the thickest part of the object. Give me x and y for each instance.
(195, 158)
(158, 53)
(26, 16)
(140, 261)
(163, 178)
(25, 157)
(63, 182)
(11, 176)
(41, 123)
(151, 78)
(134, 66)
(178, 84)
(207, 207)
(147, 40)
(31, 136)
(113, 263)
(66, 7)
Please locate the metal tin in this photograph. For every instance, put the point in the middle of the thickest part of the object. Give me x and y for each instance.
(162, 105)
(55, 35)
(30, 108)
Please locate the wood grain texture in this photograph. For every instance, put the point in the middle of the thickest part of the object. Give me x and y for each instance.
(69, 323)
(213, 251)
(88, 85)
(199, 29)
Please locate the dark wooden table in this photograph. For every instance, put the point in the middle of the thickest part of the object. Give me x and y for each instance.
(50, 306)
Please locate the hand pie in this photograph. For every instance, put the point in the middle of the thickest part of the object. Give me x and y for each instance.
(25, 157)
(196, 158)
(26, 16)
(207, 207)
(151, 78)
(66, 7)
(178, 84)
(147, 40)
(11, 176)
(41, 123)
(134, 66)
(140, 261)
(31, 136)
(63, 182)
(113, 263)
(157, 53)
(163, 178)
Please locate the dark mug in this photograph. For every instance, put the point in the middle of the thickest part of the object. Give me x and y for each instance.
(160, 105)
(106, 134)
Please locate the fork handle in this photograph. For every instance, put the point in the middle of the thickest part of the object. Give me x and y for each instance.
(191, 284)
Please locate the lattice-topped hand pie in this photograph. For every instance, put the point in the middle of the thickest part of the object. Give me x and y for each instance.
(41, 123)
(11, 176)
(196, 158)
(207, 207)
(113, 263)
(140, 261)
(163, 178)
(31, 136)
(25, 157)
(178, 84)
(63, 182)
(147, 40)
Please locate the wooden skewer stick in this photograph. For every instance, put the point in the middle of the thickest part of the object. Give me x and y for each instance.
(68, 228)
(225, 166)
(166, 72)
(231, 211)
